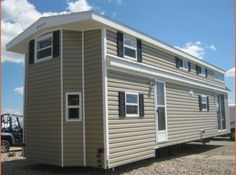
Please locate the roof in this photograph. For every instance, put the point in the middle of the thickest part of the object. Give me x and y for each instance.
(44, 23)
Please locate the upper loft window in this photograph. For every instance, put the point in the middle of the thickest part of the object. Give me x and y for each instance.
(218, 76)
(201, 71)
(183, 64)
(130, 47)
(44, 47)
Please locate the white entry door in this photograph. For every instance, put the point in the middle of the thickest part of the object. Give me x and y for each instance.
(160, 101)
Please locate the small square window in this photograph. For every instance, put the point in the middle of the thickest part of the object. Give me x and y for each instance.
(132, 104)
(183, 64)
(73, 107)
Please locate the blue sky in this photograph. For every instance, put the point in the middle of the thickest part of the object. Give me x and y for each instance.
(204, 28)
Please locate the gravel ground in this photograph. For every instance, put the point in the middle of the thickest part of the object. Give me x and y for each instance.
(215, 158)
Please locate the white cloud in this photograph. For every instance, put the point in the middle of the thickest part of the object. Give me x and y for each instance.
(78, 6)
(12, 111)
(212, 47)
(15, 20)
(230, 72)
(19, 90)
(196, 49)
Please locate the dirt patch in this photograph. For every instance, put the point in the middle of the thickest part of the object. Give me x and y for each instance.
(217, 157)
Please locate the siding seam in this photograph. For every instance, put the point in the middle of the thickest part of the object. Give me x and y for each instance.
(62, 138)
(82, 54)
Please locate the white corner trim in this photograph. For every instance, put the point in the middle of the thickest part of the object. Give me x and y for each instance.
(62, 121)
(105, 98)
(83, 103)
(129, 66)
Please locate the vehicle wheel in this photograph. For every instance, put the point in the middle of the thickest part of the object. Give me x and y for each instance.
(5, 146)
(232, 135)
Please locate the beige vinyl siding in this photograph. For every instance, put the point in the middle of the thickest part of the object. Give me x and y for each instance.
(130, 139)
(184, 118)
(93, 96)
(162, 59)
(43, 112)
(72, 82)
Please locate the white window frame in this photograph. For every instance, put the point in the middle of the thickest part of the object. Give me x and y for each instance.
(217, 79)
(182, 67)
(78, 106)
(201, 73)
(204, 96)
(131, 104)
(36, 50)
(130, 47)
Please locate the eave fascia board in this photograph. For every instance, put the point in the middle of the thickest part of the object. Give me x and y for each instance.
(51, 21)
(47, 22)
(131, 31)
(147, 71)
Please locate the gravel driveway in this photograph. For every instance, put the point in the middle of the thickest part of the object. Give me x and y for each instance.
(217, 157)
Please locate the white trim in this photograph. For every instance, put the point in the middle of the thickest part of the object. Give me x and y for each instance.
(129, 66)
(47, 22)
(160, 69)
(105, 98)
(77, 107)
(83, 98)
(131, 104)
(36, 50)
(62, 112)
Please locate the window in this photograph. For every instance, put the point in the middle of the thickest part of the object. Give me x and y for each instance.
(202, 72)
(132, 104)
(130, 47)
(203, 103)
(184, 65)
(218, 76)
(73, 106)
(44, 47)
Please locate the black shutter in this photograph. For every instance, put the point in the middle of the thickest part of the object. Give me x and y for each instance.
(206, 72)
(120, 51)
(189, 66)
(139, 50)
(56, 43)
(141, 105)
(197, 69)
(121, 104)
(177, 61)
(200, 102)
(181, 63)
(208, 106)
(31, 52)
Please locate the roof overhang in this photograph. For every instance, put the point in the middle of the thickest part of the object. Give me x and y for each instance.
(90, 19)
